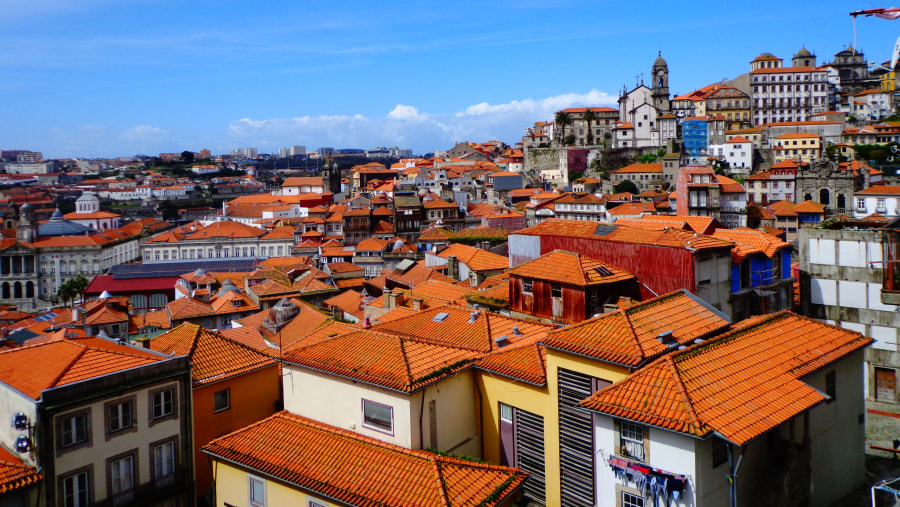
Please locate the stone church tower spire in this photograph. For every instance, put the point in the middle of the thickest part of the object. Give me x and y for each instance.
(660, 84)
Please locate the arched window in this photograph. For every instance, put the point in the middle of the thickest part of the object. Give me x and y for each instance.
(824, 197)
(29, 290)
(17, 290)
(5, 290)
(841, 202)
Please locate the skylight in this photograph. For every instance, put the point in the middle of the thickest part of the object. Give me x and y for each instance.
(441, 317)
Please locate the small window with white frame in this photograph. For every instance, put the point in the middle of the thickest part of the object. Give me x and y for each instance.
(256, 491)
(378, 417)
(527, 285)
(631, 440)
(631, 500)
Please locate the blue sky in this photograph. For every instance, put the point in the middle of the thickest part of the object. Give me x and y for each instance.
(116, 78)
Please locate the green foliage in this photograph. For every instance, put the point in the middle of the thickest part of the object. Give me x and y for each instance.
(187, 157)
(626, 186)
(73, 288)
(647, 158)
(569, 140)
(490, 302)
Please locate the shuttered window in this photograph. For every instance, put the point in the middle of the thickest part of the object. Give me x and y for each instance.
(529, 430)
(576, 443)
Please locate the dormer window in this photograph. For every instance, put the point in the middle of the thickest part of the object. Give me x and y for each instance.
(237, 302)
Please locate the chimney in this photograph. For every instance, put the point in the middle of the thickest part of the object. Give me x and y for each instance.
(473, 317)
(417, 304)
(667, 338)
(386, 299)
(516, 331)
(625, 302)
(453, 267)
(396, 299)
(501, 341)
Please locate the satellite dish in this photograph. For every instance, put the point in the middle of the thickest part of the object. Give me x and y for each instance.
(895, 54)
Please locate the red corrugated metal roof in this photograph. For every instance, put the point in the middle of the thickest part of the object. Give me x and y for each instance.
(108, 283)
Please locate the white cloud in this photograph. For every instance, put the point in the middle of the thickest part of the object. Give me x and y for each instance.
(407, 127)
(402, 112)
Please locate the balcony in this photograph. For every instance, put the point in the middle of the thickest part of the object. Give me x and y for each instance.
(152, 493)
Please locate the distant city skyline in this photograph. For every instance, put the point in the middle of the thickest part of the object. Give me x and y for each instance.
(103, 79)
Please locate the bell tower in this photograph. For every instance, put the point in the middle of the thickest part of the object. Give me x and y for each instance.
(660, 85)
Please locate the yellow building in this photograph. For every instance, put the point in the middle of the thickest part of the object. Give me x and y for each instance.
(291, 460)
(801, 146)
(529, 392)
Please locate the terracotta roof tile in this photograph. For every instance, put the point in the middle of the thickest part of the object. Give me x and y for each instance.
(526, 361)
(213, 357)
(740, 385)
(383, 360)
(629, 336)
(475, 258)
(34, 368)
(571, 268)
(358, 470)
(14, 473)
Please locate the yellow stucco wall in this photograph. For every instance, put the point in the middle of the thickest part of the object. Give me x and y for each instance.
(233, 487)
(543, 401)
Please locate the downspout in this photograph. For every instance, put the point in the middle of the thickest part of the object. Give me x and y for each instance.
(421, 414)
(732, 474)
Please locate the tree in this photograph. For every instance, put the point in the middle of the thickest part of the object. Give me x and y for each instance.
(79, 285)
(66, 292)
(562, 121)
(590, 117)
(626, 186)
(187, 157)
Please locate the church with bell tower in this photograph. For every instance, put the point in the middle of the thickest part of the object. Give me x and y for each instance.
(660, 85)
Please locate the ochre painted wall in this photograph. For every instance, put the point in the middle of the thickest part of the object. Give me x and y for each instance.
(253, 398)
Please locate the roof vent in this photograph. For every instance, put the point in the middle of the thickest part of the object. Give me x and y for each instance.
(473, 317)
(475, 306)
(516, 331)
(666, 337)
(441, 317)
(698, 341)
(501, 341)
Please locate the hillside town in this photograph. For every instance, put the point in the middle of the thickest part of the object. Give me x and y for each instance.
(683, 300)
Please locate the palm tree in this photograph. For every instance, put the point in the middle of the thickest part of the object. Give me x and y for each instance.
(562, 121)
(66, 292)
(589, 117)
(79, 285)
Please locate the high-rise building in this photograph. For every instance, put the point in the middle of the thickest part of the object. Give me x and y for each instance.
(298, 150)
(251, 152)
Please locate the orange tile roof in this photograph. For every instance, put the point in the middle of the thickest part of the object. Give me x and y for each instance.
(739, 385)
(14, 473)
(640, 168)
(633, 208)
(628, 336)
(525, 361)
(750, 241)
(880, 190)
(358, 470)
(700, 225)
(809, 206)
(213, 357)
(458, 330)
(381, 359)
(32, 369)
(475, 258)
(571, 268)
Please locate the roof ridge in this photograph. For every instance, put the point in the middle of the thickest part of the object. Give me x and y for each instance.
(682, 390)
(634, 336)
(409, 378)
(71, 363)
(442, 488)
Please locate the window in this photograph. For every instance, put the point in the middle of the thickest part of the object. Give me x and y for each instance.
(632, 500)
(73, 429)
(885, 384)
(222, 400)
(119, 416)
(75, 489)
(315, 504)
(378, 417)
(527, 285)
(121, 478)
(830, 387)
(162, 403)
(163, 460)
(556, 290)
(631, 440)
(506, 412)
(719, 451)
(257, 490)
